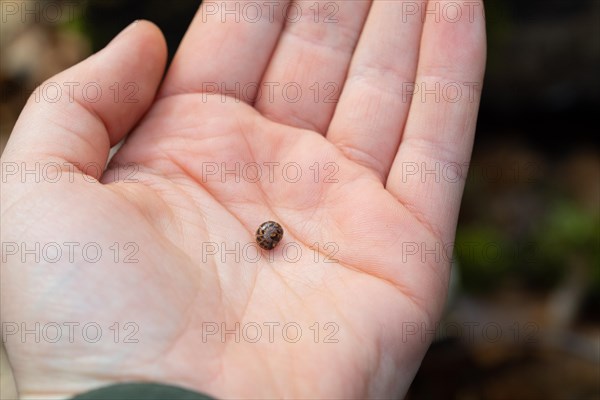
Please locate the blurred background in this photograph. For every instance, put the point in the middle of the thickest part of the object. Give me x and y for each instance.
(523, 318)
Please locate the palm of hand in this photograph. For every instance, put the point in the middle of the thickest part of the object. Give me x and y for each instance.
(178, 290)
(344, 282)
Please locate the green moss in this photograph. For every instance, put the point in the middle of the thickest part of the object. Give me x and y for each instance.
(571, 235)
(567, 236)
(482, 255)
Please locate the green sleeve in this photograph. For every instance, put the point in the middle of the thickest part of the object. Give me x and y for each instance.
(141, 391)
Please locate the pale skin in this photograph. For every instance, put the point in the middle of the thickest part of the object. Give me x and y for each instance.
(175, 290)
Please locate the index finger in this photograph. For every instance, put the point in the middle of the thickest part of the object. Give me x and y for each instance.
(226, 49)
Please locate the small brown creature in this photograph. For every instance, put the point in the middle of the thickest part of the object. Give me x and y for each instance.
(269, 234)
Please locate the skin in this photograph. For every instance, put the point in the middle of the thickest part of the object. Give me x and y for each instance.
(380, 291)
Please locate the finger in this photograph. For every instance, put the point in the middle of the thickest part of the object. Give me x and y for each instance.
(77, 115)
(429, 170)
(226, 49)
(311, 61)
(373, 107)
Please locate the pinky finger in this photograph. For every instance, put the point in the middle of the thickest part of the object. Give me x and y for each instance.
(429, 170)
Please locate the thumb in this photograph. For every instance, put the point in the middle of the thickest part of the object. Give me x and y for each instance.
(77, 115)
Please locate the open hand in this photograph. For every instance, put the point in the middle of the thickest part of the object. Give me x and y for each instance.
(243, 130)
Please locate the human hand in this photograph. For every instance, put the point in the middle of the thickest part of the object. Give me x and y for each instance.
(175, 210)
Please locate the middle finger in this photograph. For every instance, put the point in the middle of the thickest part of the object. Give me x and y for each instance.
(309, 65)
